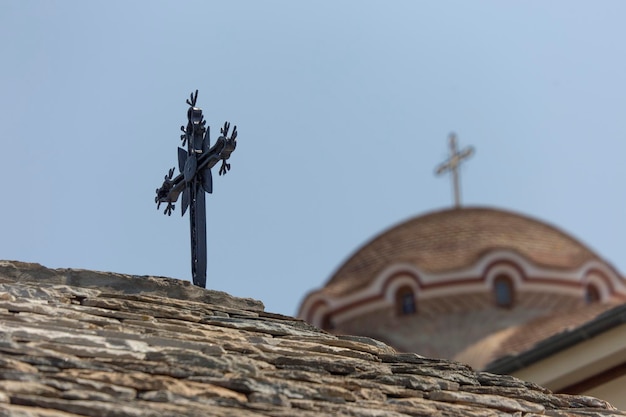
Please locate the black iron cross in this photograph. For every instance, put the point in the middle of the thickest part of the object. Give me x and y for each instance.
(195, 179)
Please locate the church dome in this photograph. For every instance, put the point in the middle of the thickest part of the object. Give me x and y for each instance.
(454, 239)
(451, 282)
(442, 283)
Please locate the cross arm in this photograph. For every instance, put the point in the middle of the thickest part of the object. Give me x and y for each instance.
(221, 151)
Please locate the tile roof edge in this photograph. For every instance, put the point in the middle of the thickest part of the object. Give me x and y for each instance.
(122, 284)
(560, 341)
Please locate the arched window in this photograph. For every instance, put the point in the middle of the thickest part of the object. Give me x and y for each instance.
(327, 323)
(405, 301)
(592, 294)
(503, 291)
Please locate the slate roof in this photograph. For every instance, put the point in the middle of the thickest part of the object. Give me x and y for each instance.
(456, 238)
(102, 344)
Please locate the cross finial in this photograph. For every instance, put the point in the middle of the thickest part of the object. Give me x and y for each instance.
(452, 164)
(195, 178)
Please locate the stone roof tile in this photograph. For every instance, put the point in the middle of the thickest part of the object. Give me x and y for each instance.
(90, 348)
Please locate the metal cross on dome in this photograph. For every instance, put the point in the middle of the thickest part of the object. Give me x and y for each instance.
(453, 163)
(195, 178)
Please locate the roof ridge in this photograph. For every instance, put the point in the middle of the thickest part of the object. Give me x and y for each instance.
(117, 283)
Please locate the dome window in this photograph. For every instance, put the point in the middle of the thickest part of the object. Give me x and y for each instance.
(405, 301)
(503, 291)
(327, 323)
(592, 295)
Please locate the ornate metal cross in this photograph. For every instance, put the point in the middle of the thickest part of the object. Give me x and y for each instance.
(195, 179)
(452, 164)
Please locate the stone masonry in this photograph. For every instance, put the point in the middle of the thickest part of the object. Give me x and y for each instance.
(84, 343)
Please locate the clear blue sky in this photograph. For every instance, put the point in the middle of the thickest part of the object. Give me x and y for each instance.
(343, 110)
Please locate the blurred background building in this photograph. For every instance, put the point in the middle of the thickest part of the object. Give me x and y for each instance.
(489, 287)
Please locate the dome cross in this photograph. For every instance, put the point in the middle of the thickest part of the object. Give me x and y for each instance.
(452, 165)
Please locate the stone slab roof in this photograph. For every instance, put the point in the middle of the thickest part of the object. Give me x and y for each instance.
(82, 343)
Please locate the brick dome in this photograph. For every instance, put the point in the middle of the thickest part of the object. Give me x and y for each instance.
(453, 239)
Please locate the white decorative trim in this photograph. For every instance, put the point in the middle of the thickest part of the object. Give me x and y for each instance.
(479, 277)
(401, 281)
